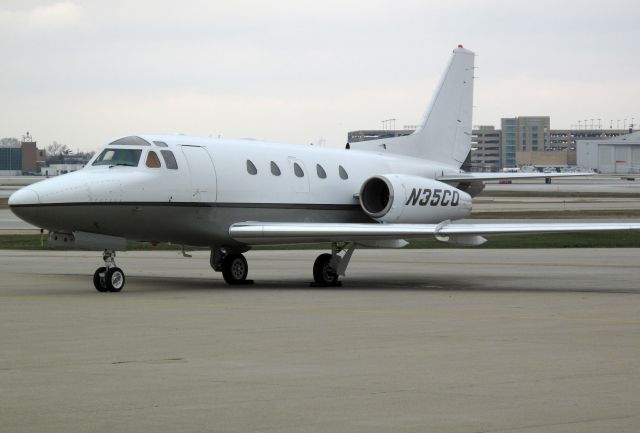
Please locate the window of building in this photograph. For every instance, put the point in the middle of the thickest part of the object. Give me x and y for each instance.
(298, 170)
(321, 173)
(169, 159)
(152, 160)
(251, 168)
(275, 170)
(342, 172)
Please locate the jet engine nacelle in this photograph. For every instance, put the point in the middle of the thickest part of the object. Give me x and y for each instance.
(396, 198)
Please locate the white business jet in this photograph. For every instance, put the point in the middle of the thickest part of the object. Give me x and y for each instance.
(230, 195)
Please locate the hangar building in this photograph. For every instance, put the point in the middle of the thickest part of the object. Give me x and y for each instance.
(615, 155)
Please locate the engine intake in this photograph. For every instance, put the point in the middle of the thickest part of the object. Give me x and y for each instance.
(376, 197)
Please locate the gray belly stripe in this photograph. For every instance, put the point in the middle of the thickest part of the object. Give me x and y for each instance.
(311, 206)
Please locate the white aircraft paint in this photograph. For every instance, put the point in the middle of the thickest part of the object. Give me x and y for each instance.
(232, 194)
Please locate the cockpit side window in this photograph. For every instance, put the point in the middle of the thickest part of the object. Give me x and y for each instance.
(152, 160)
(126, 157)
(169, 159)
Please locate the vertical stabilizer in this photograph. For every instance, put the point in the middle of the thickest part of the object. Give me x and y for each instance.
(444, 133)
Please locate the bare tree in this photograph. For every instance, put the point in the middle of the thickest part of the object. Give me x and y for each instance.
(9, 142)
(56, 148)
(56, 153)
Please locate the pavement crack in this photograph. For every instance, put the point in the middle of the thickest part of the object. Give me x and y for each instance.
(149, 361)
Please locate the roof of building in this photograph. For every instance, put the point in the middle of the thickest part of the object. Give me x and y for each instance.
(632, 138)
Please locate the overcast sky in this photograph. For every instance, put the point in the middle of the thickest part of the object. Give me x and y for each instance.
(84, 72)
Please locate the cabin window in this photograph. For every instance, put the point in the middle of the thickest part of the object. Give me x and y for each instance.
(343, 173)
(152, 160)
(160, 143)
(251, 168)
(111, 157)
(298, 170)
(321, 173)
(275, 170)
(169, 159)
(130, 141)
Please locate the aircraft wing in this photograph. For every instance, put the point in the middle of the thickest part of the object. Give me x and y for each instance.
(465, 234)
(466, 177)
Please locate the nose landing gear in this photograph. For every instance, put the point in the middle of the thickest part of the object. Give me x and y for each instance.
(109, 278)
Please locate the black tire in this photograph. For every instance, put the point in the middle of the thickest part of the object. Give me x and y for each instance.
(114, 279)
(322, 271)
(99, 280)
(235, 269)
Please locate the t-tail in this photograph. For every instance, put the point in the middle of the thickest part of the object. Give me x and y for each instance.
(444, 133)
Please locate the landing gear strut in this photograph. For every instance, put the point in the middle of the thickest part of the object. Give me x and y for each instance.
(329, 267)
(109, 278)
(233, 266)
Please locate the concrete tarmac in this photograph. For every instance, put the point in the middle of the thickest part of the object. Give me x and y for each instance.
(416, 341)
(585, 184)
(521, 204)
(9, 221)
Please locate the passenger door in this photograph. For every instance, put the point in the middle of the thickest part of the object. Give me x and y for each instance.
(202, 173)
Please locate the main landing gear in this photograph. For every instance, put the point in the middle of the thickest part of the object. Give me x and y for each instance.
(326, 269)
(233, 266)
(329, 267)
(108, 278)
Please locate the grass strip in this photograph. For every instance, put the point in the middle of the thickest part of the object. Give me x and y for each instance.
(558, 194)
(622, 239)
(559, 214)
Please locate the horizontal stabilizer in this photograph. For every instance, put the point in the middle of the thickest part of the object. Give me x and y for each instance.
(467, 177)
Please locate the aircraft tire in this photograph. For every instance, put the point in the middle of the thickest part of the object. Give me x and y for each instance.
(235, 269)
(114, 279)
(322, 272)
(98, 282)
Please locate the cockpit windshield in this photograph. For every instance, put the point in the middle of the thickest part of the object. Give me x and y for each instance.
(111, 157)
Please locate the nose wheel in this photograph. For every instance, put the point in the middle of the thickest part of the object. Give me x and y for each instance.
(109, 278)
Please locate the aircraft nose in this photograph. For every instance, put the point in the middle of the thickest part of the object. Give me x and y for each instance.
(23, 196)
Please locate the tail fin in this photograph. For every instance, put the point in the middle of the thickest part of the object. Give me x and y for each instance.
(444, 134)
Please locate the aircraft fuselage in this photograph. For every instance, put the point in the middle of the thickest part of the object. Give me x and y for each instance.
(216, 183)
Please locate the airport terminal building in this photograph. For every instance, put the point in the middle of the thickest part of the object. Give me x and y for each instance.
(17, 160)
(521, 141)
(620, 155)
